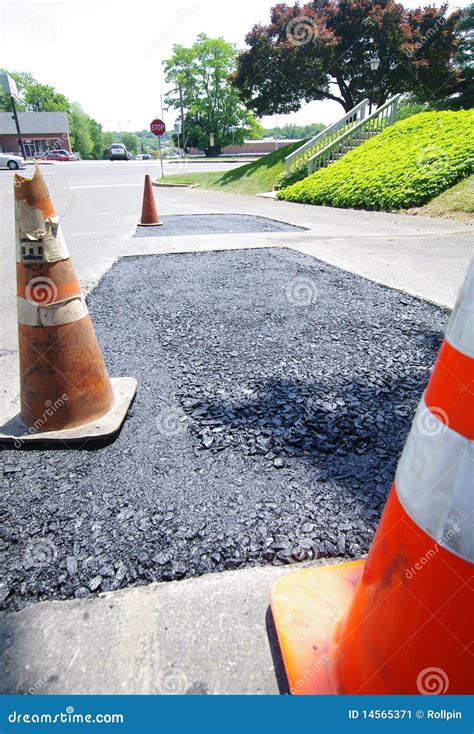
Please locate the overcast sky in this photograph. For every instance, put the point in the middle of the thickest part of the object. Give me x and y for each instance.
(107, 54)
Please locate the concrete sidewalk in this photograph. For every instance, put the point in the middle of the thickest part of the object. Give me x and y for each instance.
(209, 635)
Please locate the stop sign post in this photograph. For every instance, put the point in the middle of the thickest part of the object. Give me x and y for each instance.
(158, 128)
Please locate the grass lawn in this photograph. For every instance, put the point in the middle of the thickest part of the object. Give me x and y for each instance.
(456, 203)
(253, 178)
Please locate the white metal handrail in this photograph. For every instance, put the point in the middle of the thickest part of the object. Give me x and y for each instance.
(302, 154)
(383, 115)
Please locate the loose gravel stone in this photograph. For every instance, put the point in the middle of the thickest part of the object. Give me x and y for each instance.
(71, 565)
(81, 592)
(236, 347)
(95, 583)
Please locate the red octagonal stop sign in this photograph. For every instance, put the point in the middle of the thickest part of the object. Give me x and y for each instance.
(158, 127)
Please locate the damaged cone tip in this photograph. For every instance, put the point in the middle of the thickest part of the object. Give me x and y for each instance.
(149, 216)
(65, 389)
(399, 623)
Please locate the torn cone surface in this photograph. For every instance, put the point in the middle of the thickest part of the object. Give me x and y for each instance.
(149, 216)
(64, 382)
(400, 623)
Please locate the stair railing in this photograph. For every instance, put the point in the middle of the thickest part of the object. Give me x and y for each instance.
(301, 155)
(358, 133)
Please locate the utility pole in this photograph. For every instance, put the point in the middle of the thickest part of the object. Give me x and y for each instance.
(10, 88)
(163, 109)
(183, 136)
(17, 123)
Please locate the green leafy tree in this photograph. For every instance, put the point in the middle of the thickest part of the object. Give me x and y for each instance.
(149, 142)
(44, 98)
(199, 76)
(322, 50)
(107, 139)
(34, 97)
(23, 80)
(81, 138)
(131, 142)
(295, 132)
(409, 106)
(97, 136)
(86, 133)
(254, 129)
(465, 58)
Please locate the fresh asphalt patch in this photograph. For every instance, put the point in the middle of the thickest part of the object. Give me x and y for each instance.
(275, 395)
(191, 224)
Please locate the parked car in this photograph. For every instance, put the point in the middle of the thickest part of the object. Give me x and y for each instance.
(11, 161)
(118, 152)
(59, 155)
(146, 156)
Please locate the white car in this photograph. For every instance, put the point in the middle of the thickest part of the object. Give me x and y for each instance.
(11, 161)
(118, 152)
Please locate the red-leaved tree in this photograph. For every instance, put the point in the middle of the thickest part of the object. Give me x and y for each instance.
(322, 50)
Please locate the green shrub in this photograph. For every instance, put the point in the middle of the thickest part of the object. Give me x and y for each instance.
(407, 109)
(404, 166)
(287, 179)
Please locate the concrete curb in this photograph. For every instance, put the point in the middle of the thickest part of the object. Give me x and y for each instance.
(159, 184)
(209, 635)
(225, 160)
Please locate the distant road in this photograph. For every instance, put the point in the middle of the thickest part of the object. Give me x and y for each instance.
(111, 168)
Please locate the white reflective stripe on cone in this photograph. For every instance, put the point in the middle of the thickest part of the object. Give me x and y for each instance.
(52, 314)
(460, 331)
(434, 482)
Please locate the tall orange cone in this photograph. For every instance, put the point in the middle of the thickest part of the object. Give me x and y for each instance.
(65, 390)
(149, 216)
(400, 623)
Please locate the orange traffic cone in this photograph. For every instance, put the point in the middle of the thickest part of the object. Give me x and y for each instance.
(400, 623)
(65, 390)
(149, 213)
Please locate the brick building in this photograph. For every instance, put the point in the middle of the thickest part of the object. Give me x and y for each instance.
(251, 147)
(41, 132)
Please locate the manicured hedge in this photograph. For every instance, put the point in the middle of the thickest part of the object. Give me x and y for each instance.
(406, 165)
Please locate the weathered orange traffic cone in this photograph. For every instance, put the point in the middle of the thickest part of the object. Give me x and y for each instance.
(65, 390)
(401, 622)
(149, 216)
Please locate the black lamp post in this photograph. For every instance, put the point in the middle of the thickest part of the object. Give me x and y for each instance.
(374, 62)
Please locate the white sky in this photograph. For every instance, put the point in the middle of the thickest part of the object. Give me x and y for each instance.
(107, 54)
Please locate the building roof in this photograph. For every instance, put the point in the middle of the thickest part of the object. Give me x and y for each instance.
(34, 123)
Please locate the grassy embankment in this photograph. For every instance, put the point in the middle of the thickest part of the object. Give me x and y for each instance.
(405, 166)
(252, 178)
(455, 203)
